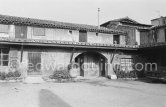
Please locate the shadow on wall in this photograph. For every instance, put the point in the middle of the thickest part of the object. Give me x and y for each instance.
(49, 99)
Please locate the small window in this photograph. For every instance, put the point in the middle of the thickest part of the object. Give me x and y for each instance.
(126, 64)
(116, 39)
(4, 57)
(97, 34)
(70, 32)
(38, 31)
(4, 28)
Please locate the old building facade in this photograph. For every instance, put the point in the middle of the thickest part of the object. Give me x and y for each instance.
(40, 47)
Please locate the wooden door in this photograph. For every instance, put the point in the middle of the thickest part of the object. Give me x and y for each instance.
(34, 63)
(21, 32)
(82, 36)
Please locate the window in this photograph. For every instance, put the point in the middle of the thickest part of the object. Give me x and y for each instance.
(20, 31)
(38, 31)
(4, 28)
(70, 32)
(116, 39)
(82, 36)
(126, 64)
(4, 57)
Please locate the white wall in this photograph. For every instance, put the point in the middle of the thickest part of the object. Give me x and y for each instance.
(64, 35)
(55, 34)
(101, 38)
(11, 33)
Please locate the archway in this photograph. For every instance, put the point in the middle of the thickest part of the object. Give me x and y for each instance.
(91, 64)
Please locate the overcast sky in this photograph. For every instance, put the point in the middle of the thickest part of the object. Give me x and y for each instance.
(85, 11)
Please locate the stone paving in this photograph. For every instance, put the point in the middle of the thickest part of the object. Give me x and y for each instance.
(87, 93)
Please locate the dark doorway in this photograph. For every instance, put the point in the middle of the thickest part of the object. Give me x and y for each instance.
(91, 64)
(102, 66)
(116, 39)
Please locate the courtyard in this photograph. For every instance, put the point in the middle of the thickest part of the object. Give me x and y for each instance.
(100, 92)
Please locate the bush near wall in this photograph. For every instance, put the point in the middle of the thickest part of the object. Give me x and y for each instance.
(60, 74)
(10, 75)
(128, 74)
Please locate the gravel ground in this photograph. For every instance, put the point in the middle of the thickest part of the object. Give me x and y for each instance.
(87, 93)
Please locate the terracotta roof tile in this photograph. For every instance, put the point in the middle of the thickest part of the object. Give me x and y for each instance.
(66, 43)
(5, 19)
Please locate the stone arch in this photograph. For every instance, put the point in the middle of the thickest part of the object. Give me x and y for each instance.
(79, 53)
(94, 59)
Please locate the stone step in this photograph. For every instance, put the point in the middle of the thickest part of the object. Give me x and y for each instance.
(34, 79)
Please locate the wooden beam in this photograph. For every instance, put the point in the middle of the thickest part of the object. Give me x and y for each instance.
(22, 49)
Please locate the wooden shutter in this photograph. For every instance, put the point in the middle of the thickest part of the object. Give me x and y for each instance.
(82, 36)
(20, 31)
(34, 58)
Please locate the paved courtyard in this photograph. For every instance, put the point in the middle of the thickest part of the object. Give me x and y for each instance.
(89, 93)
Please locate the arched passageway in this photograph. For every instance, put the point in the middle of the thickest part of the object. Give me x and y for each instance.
(91, 64)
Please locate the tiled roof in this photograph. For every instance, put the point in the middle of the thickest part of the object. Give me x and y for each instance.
(124, 27)
(5, 19)
(37, 42)
(127, 20)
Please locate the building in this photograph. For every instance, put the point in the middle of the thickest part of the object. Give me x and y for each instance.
(153, 45)
(151, 40)
(133, 28)
(40, 47)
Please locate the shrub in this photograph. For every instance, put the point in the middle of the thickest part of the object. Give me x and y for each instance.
(60, 74)
(10, 74)
(129, 74)
(17, 74)
(2, 75)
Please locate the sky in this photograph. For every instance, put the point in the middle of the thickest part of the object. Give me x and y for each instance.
(85, 11)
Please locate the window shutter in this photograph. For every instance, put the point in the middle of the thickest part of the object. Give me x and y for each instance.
(38, 31)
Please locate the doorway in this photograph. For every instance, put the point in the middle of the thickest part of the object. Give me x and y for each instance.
(34, 63)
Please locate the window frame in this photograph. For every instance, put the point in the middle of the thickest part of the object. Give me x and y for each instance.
(2, 54)
(118, 42)
(34, 34)
(127, 63)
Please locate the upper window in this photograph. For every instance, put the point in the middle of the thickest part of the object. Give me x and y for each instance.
(4, 57)
(82, 36)
(4, 28)
(116, 39)
(38, 31)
